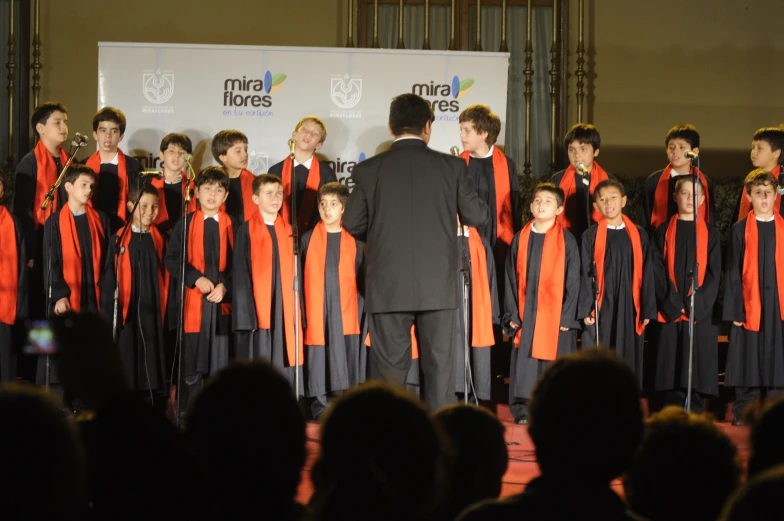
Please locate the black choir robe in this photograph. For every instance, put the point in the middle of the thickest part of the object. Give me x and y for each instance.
(300, 174)
(671, 339)
(580, 224)
(235, 205)
(617, 318)
(107, 189)
(207, 351)
(172, 198)
(53, 265)
(526, 370)
(251, 342)
(342, 363)
(140, 338)
(479, 357)
(649, 196)
(7, 354)
(754, 358)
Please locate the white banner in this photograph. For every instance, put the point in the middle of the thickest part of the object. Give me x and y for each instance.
(264, 91)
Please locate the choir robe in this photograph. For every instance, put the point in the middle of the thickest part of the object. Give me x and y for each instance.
(173, 199)
(525, 369)
(480, 357)
(326, 174)
(140, 338)
(617, 316)
(53, 262)
(235, 205)
(106, 194)
(206, 352)
(649, 196)
(743, 206)
(7, 355)
(252, 342)
(671, 339)
(342, 363)
(580, 224)
(754, 358)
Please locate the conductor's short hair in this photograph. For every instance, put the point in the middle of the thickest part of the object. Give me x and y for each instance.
(409, 114)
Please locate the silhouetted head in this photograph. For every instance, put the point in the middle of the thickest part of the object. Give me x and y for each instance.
(765, 439)
(759, 499)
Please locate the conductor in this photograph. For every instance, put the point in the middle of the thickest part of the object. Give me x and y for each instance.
(403, 206)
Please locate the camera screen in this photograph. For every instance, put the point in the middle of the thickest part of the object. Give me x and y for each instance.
(40, 339)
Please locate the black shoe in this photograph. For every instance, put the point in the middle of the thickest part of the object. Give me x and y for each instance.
(522, 420)
(738, 422)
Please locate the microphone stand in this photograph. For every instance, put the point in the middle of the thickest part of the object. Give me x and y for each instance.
(592, 270)
(295, 250)
(695, 173)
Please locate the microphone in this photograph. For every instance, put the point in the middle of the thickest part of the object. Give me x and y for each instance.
(153, 173)
(79, 140)
(292, 144)
(690, 154)
(454, 151)
(586, 175)
(188, 158)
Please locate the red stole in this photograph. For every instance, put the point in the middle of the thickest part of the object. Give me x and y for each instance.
(663, 196)
(194, 298)
(599, 249)
(315, 264)
(549, 293)
(163, 212)
(503, 201)
(261, 252)
(481, 304)
(568, 184)
(46, 177)
(72, 253)
(125, 273)
(305, 209)
(745, 204)
(669, 257)
(9, 268)
(94, 162)
(750, 273)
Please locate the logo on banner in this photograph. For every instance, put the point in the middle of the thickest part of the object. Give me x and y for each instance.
(346, 92)
(258, 162)
(443, 97)
(345, 168)
(158, 88)
(247, 94)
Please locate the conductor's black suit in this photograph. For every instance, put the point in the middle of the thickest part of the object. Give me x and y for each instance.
(405, 204)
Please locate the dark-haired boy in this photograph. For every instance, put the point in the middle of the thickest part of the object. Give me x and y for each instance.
(310, 174)
(13, 284)
(335, 355)
(114, 170)
(624, 274)
(673, 258)
(658, 204)
(143, 293)
(542, 290)
(263, 284)
(172, 187)
(230, 150)
(754, 297)
(582, 143)
(209, 246)
(766, 146)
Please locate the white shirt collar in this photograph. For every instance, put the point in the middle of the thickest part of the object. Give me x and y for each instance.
(213, 217)
(114, 161)
(305, 164)
(465, 232)
(673, 173)
(772, 217)
(619, 227)
(134, 229)
(408, 137)
(269, 223)
(489, 153)
(533, 229)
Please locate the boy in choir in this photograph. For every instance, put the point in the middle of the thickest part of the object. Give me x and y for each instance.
(230, 150)
(171, 188)
(673, 261)
(114, 170)
(208, 282)
(766, 148)
(13, 284)
(754, 297)
(582, 144)
(624, 275)
(542, 290)
(334, 352)
(142, 296)
(494, 175)
(310, 174)
(264, 282)
(658, 204)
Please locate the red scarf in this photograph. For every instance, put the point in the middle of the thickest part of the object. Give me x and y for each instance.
(261, 273)
(568, 184)
(481, 305)
(505, 229)
(750, 274)
(669, 257)
(663, 196)
(122, 175)
(163, 212)
(46, 177)
(599, 250)
(72, 253)
(550, 291)
(745, 204)
(125, 273)
(194, 298)
(315, 263)
(308, 199)
(249, 208)
(9, 268)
